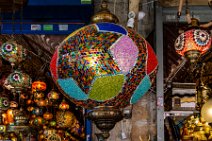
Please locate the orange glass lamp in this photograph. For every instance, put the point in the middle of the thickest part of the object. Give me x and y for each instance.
(38, 86)
(192, 44)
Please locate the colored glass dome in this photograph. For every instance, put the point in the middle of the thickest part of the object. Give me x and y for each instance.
(13, 52)
(193, 40)
(104, 64)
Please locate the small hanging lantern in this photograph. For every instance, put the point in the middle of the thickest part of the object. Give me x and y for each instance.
(47, 116)
(4, 102)
(64, 105)
(41, 102)
(37, 111)
(193, 43)
(18, 81)
(39, 121)
(65, 119)
(9, 115)
(38, 86)
(53, 95)
(13, 52)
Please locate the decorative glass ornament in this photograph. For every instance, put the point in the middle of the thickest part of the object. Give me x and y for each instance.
(39, 121)
(65, 119)
(53, 123)
(38, 95)
(13, 104)
(9, 116)
(64, 105)
(53, 95)
(13, 52)
(37, 111)
(41, 103)
(47, 116)
(38, 86)
(29, 101)
(192, 43)
(104, 64)
(18, 81)
(4, 101)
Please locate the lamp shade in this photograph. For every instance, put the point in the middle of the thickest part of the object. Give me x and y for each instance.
(18, 81)
(206, 111)
(13, 52)
(193, 40)
(104, 64)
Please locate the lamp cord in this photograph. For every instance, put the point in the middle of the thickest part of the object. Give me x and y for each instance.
(114, 7)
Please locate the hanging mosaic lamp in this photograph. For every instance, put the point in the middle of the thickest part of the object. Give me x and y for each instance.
(64, 105)
(104, 64)
(53, 95)
(38, 86)
(13, 52)
(192, 43)
(18, 81)
(65, 119)
(4, 101)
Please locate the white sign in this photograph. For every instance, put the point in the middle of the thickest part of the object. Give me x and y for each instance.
(35, 27)
(63, 27)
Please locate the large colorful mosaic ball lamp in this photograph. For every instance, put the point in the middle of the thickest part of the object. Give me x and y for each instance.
(104, 64)
(193, 43)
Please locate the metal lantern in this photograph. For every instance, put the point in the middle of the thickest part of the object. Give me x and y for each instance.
(13, 52)
(65, 119)
(192, 44)
(21, 118)
(18, 81)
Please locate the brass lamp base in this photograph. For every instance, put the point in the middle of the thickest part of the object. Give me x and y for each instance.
(192, 55)
(105, 119)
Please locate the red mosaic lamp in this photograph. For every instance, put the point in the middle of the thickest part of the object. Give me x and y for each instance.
(193, 42)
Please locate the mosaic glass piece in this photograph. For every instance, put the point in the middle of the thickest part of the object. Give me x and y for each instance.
(142, 88)
(106, 87)
(71, 88)
(111, 28)
(151, 60)
(103, 64)
(125, 53)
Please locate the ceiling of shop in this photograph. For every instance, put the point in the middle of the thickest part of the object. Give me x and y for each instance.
(171, 3)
